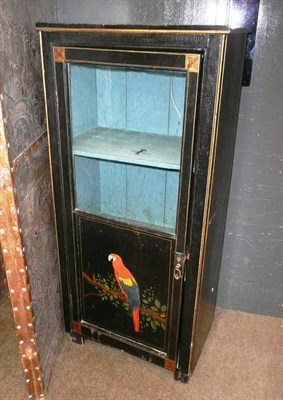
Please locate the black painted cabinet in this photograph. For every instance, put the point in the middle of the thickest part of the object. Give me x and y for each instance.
(142, 124)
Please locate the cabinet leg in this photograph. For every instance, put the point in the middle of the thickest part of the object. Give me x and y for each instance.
(77, 338)
(179, 376)
(185, 378)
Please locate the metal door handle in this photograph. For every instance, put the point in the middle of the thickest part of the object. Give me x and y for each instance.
(178, 271)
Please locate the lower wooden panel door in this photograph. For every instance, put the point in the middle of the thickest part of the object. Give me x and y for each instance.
(127, 294)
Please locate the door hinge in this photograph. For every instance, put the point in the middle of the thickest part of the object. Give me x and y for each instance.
(179, 262)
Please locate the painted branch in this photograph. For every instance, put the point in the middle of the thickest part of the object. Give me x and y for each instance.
(119, 295)
(154, 314)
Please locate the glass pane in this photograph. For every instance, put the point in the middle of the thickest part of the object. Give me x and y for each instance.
(126, 129)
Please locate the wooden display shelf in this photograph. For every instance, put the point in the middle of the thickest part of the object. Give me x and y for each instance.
(131, 147)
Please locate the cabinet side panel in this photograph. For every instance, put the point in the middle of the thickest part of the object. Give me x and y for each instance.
(224, 151)
(205, 114)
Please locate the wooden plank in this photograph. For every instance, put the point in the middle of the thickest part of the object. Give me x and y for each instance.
(87, 184)
(16, 271)
(104, 187)
(148, 101)
(83, 103)
(171, 199)
(131, 147)
(103, 97)
(113, 188)
(145, 195)
(111, 97)
(3, 280)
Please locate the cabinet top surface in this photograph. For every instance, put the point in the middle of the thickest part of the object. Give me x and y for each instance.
(148, 29)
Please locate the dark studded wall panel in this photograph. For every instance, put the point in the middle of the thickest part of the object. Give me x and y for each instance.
(21, 80)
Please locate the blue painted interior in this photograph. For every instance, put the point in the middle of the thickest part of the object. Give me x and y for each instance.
(148, 102)
(83, 98)
(143, 100)
(87, 186)
(113, 178)
(111, 97)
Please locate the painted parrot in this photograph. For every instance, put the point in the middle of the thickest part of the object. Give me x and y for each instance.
(128, 286)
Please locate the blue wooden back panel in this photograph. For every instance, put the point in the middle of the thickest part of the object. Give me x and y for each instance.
(145, 194)
(148, 101)
(113, 185)
(171, 199)
(120, 98)
(87, 184)
(83, 104)
(111, 97)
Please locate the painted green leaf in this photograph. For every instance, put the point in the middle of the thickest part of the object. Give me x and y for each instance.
(148, 318)
(153, 325)
(157, 303)
(154, 308)
(163, 326)
(163, 308)
(157, 322)
(145, 301)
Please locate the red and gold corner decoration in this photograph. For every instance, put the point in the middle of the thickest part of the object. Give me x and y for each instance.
(193, 62)
(59, 54)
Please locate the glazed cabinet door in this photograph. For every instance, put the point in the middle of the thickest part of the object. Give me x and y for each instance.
(125, 149)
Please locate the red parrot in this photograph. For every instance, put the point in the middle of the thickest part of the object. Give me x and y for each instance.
(128, 286)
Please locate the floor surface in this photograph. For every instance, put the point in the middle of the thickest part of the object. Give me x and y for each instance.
(242, 360)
